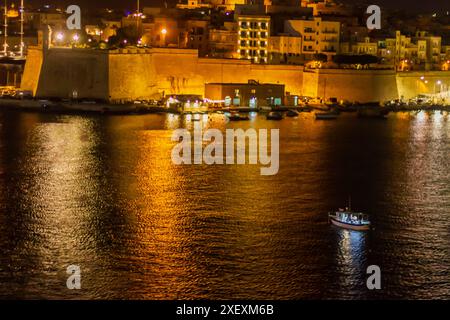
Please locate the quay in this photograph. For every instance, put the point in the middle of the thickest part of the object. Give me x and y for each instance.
(93, 107)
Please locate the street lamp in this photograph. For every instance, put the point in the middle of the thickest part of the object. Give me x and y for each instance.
(76, 37)
(439, 82)
(60, 36)
(163, 33)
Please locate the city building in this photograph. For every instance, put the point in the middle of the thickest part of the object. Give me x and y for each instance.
(431, 46)
(285, 49)
(195, 35)
(253, 37)
(422, 52)
(252, 94)
(325, 7)
(223, 42)
(359, 47)
(318, 36)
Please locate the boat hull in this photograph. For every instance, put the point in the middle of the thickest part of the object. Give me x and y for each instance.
(349, 225)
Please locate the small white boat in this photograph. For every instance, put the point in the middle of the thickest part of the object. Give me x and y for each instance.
(274, 116)
(238, 117)
(348, 219)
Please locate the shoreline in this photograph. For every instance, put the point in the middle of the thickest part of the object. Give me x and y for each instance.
(80, 108)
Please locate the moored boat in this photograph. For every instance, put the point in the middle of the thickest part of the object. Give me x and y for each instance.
(291, 113)
(326, 115)
(274, 116)
(237, 117)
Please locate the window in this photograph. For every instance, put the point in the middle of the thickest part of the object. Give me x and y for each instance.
(263, 25)
(243, 34)
(243, 43)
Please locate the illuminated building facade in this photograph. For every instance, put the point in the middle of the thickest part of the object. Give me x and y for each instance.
(318, 36)
(253, 37)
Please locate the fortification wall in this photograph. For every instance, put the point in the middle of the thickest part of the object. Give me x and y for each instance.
(411, 84)
(129, 74)
(290, 76)
(353, 85)
(181, 71)
(65, 71)
(32, 71)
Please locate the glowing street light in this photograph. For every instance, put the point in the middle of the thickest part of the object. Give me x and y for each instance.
(60, 36)
(76, 37)
(163, 33)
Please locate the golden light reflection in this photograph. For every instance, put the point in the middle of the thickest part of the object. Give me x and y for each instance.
(351, 256)
(58, 159)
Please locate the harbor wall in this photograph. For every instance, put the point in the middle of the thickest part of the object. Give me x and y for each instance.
(180, 71)
(66, 73)
(352, 85)
(413, 83)
(32, 70)
(128, 74)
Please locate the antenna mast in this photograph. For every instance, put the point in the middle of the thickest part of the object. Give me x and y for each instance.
(5, 36)
(22, 45)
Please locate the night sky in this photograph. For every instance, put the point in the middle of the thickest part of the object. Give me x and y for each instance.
(424, 5)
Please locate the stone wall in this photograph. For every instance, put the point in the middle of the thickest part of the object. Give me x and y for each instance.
(32, 70)
(62, 72)
(352, 85)
(411, 84)
(128, 74)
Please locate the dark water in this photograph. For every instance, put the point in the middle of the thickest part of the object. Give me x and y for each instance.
(102, 193)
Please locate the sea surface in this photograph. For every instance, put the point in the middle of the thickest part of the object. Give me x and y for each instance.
(102, 193)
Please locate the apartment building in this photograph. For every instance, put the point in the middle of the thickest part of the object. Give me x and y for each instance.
(223, 42)
(253, 37)
(318, 36)
(285, 49)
